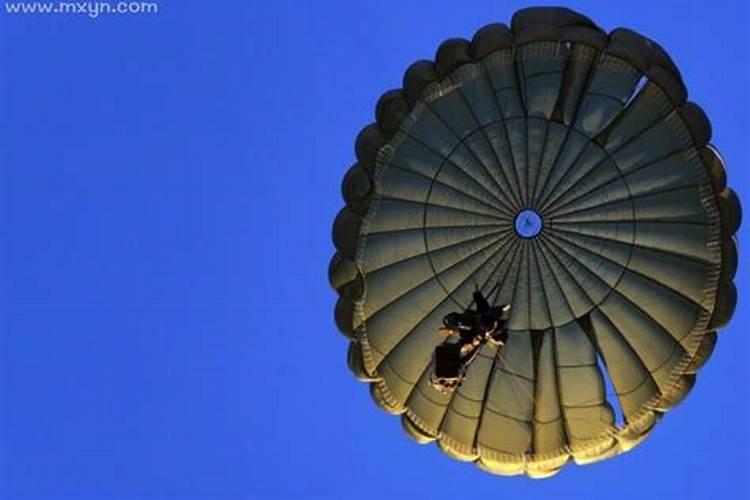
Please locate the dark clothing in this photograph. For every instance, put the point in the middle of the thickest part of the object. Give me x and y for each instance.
(501, 335)
(474, 328)
(483, 306)
(467, 336)
(450, 362)
(478, 322)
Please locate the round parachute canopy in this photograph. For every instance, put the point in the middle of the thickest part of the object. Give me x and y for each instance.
(562, 170)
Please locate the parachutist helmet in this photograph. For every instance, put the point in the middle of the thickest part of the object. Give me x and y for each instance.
(452, 321)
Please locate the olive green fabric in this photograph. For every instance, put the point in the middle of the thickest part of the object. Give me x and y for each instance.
(624, 284)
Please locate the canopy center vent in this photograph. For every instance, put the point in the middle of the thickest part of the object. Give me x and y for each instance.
(528, 223)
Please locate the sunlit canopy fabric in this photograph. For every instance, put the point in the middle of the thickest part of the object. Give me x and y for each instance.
(562, 170)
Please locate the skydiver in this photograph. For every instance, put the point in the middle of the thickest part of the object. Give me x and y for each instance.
(473, 327)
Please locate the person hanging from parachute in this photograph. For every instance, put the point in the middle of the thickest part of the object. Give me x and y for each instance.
(473, 328)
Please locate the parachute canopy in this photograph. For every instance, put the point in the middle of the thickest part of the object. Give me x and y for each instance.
(563, 169)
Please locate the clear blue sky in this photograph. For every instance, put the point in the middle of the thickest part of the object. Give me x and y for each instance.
(168, 187)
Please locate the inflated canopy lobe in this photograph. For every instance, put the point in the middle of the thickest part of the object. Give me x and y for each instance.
(563, 170)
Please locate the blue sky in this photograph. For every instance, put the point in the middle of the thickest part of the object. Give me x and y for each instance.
(169, 183)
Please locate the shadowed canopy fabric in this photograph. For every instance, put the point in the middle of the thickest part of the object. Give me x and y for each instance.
(562, 170)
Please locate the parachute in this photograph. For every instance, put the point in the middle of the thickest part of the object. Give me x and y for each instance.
(563, 169)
